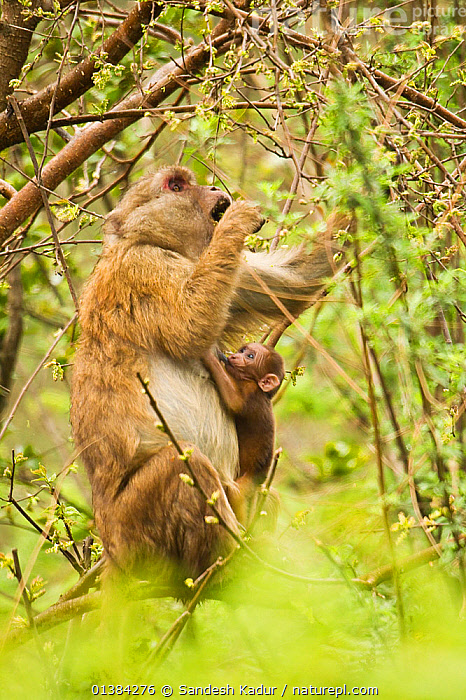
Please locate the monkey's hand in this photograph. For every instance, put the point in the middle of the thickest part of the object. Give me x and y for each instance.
(210, 357)
(241, 219)
(222, 357)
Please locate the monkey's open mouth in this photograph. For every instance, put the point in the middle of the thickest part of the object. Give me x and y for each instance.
(220, 208)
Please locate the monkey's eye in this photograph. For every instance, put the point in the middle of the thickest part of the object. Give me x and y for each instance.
(175, 186)
(251, 355)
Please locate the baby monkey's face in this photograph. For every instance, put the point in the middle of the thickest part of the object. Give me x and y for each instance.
(249, 359)
(257, 363)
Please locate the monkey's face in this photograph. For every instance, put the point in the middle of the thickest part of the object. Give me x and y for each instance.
(171, 210)
(248, 361)
(188, 194)
(257, 363)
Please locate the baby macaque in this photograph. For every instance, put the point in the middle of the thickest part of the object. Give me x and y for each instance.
(247, 381)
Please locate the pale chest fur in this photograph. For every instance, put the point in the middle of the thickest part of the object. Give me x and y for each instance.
(191, 405)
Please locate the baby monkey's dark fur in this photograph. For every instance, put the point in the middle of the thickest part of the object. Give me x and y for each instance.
(247, 381)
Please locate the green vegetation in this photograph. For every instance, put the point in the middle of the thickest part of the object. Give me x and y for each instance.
(287, 110)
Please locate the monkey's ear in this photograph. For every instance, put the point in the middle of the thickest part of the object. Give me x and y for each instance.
(269, 382)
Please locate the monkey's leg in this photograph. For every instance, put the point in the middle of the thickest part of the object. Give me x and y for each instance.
(158, 518)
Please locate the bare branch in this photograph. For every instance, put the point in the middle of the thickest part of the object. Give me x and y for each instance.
(164, 83)
(76, 82)
(11, 341)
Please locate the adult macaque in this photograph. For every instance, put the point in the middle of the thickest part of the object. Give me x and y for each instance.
(171, 282)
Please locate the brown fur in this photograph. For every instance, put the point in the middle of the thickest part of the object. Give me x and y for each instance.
(170, 284)
(247, 382)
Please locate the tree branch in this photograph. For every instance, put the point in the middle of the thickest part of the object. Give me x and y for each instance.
(36, 109)
(11, 341)
(16, 32)
(166, 80)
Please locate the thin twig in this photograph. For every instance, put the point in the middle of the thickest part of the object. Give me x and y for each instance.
(263, 490)
(58, 251)
(34, 374)
(167, 642)
(22, 586)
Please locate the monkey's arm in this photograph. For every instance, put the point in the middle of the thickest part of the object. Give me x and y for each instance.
(207, 292)
(225, 384)
(161, 299)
